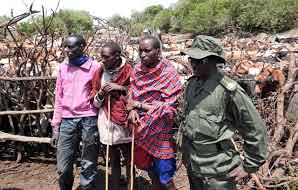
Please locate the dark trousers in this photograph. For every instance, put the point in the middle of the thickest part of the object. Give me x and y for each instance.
(115, 156)
(71, 131)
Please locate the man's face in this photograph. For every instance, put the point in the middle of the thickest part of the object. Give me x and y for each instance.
(200, 67)
(148, 54)
(73, 48)
(110, 58)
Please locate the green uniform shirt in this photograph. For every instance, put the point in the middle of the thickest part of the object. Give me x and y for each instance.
(214, 109)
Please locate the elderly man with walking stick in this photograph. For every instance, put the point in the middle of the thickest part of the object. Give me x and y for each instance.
(110, 89)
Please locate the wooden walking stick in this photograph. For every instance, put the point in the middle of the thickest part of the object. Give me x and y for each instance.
(108, 147)
(132, 158)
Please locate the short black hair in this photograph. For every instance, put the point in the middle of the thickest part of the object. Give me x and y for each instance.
(155, 41)
(115, 47)
(81, 40)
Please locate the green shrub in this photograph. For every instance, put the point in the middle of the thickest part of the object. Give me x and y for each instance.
(215, 16)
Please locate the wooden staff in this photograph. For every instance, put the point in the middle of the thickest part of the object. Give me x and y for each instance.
(108, 147)
(132, 158)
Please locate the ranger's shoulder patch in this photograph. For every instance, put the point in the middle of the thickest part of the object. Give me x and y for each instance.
(228, 83)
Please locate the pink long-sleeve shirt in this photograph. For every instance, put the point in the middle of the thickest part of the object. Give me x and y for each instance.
(73, 89)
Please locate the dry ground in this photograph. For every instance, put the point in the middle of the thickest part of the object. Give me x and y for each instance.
(39, 173)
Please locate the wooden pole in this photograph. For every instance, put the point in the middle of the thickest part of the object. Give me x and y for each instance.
(132, 158)
(108, 147)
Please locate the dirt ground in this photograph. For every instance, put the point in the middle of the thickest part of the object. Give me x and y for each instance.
(39, 173)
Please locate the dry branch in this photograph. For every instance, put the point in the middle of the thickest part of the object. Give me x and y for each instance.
(27, 78)
(281, 120)
(25, 112)
(10, 137)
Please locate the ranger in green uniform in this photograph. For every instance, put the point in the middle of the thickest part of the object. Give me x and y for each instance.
(216, 106)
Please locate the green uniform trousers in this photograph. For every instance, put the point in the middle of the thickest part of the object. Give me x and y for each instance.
(214, 183)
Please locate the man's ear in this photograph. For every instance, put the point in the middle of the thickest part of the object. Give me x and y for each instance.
(159, 52)
(118, 55)
(82, 46)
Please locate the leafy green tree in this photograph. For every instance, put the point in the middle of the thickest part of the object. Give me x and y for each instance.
(27, 28)
(118, 20)
(163, 20)
(151, 11)
(65, 21)
(75, 21)
(268, 15)
(213, 16)
(197, 16)
(145, 18)
(137, 29)
(137, 16)
(3, 19)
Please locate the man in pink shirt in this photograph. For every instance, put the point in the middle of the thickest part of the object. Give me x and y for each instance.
(75, 117)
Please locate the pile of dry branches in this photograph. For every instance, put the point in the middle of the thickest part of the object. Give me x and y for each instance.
(281, 167)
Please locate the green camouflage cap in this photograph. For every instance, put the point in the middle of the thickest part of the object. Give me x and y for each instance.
(204, 46)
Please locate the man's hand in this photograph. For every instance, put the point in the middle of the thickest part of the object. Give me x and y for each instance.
(55, 136)
(109, 86)
(133, 117)
(238, 173)
(132, 105)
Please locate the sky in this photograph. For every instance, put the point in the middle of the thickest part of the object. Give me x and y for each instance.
(101, 8)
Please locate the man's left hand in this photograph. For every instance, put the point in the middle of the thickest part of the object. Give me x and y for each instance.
(238, 173)
(133, 117)
(131, 104)
(108, 87)
(55, 137)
